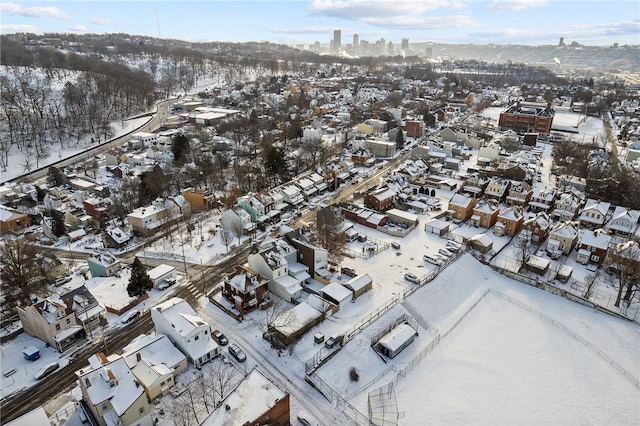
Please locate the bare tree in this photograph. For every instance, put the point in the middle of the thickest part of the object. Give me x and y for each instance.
(522, 244)
(330, 235)
(237, 227)
(589, 282)
(624, 261)
(279, 316)
(219, 379)
(21, 274)
(225, 237)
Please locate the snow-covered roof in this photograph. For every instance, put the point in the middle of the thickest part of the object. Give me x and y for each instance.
(597, 238)
(36, 416)
(253, 397)
(397, 337)
(297, 317)
(154, 350)
(160, 271)
(337, 292)
(358, 282)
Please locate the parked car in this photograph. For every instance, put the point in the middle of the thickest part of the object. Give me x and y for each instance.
(62, 280)
(166, 283)
(46, 370)
(395, 245)
(305, 419)
(411, 278)
(432, 259)
(237, 353)
(131, 316)
(452, 248)
(455, 244)
(446, 253)
(220, 338)
(330, 342)
(348, 271)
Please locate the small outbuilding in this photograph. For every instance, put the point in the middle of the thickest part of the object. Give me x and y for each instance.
(436, 226)
(359, 285)
(392, 343)
(481, 242)
(537, 264)
(337, 294)
(564, 273)
(162, 273)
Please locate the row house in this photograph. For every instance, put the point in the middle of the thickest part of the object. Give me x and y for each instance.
(562, 238)
(537, 227)
(176, 319)
(567, 206)
(592, 246)
(236, 219)
(306, 187)
(291, 194)
(148, 219)
(475, 185)
(623, 221)
(509, 221)
(252, 205)
(520, 193)
(360, 156)
(461, 206)
(380, 199)
(542, 200)
(245, 288)
(594, 214)
(112, 393)
(278, 262)
(96, 208)
(316, 259)
(497, 188)
(201, 199)
(485, 214)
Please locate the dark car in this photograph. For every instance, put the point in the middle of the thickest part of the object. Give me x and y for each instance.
(46, 370)
(237, 353)
(220, 338)
(350, 272)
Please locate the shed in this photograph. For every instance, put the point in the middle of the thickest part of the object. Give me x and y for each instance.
(392, 343)
(537, 264)
(564, 273)
(401, 216)
(436, 226)
(359, 284)
(337, 293)
(481, 242)
(161, 273)
(31, 353)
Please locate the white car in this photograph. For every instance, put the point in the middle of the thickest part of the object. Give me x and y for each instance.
(446, 253)
(131, 316)
(432, 259)
(305, 419)
(454, 244)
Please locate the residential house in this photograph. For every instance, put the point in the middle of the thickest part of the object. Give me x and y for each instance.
(245, 289)
(509, 221)
(200, 199)
(316, 259)
(268, 402)
(252, 205)
(12, 221)
(115, 238)
(520, 193)
(542, 200)
(537, 227)
(176, 319)
(89, 313)
(594, 214)
(277, 260)
(112, 393)
(474, 185)
(360, 156)
(306, 187)
(380, 199)
(155, 362)
(291, 194)
(592, 246)
(567, 206)
(96, 208)
(235, 220)
(562, 238)
(148, 219)
(497, 188)
(485, 214)
(52, 321)
(461, 206)
(625, 257)
(103, 265)
(624, 221)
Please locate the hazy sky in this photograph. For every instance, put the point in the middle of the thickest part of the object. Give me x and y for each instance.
(531, 22)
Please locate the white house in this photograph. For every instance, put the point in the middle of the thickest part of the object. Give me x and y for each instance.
(623, 221)
(176, 319)
(162, 273)
(594, 213)
(274, 260)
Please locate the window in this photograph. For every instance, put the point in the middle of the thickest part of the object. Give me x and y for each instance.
(57, 327)
(196, 338)
(104, 407)
(162, 383)
(68, 321)
(141, 410)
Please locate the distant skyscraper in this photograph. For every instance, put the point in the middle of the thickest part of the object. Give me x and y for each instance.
(561, 43)
(355, 42)
(405, 44)
(337, 40)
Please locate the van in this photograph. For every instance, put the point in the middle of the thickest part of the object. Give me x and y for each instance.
(446, 253)
(432, 259)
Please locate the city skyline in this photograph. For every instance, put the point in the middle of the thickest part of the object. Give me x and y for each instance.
(529, 22)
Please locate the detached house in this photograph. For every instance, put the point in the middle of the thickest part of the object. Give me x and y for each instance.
(380, 199)
(52, 321)
(594, 214)
(485, 214)
(562, 238)
(509, 221)
(497, 188)
(537, 227)
(176, 319)
(623, 221)
(520, 193)
(112, 393)
(277, 261)
(245, 288)
(592, 246)
(461, 206)
(155, 362)
(567, 206)
(542, 200)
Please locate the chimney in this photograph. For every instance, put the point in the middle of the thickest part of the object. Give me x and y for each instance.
(138, 357)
